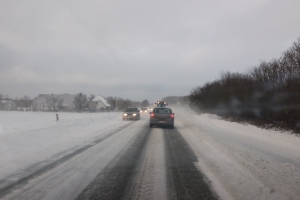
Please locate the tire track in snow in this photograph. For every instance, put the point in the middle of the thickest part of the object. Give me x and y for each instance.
(149, 182)
(184, 180)
(113, 181)
(133, 173)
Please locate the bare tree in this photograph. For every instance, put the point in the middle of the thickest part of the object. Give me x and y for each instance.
(54, 103)
(1, 104)
(91, 97)
(145, 103)
(25, 102)
(80, 102)
(91, 106)
(34, 106)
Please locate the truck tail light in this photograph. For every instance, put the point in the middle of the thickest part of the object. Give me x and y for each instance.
(152, 115)
(172, 115)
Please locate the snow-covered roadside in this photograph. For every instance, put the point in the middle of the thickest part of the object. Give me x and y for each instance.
(69, 178)
(28, 138)
(242, 161)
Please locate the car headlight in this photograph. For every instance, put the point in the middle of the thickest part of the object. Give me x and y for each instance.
(125, 114)
(134, 114)
(141, 111)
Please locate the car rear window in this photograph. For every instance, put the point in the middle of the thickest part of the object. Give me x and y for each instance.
(162, 110)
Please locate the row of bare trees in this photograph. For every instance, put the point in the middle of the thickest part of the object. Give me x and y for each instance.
(118, 103)
(269, 92)
(176, 100)
(81, 103)
(6, 103)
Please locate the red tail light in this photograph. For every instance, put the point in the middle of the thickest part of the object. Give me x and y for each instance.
(152, 115)
(172, 115)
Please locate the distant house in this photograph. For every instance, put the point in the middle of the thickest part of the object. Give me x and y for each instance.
(7, 104)
(53, 102)
(99, 104)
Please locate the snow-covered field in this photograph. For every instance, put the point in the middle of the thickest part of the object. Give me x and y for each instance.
(27, 138)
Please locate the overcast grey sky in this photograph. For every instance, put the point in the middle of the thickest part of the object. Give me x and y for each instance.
(136, 49)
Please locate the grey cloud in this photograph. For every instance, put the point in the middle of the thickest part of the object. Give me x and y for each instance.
(149, 49)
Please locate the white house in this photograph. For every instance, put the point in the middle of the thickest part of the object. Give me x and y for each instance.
(99, 104)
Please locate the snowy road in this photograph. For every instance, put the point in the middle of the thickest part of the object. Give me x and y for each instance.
(99, 156)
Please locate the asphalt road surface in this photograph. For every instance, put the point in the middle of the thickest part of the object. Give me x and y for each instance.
(131, 162)
(191, 161)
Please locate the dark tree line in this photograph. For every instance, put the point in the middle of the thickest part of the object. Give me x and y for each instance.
(269, 92)
(6, 103)
(121, 104)
(145, 103)
(176, 100)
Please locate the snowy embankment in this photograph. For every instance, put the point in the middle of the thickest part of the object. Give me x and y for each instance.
(242, 161)
(36, 138)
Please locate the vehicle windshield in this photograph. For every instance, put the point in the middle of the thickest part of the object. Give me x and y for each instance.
(150, 99)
